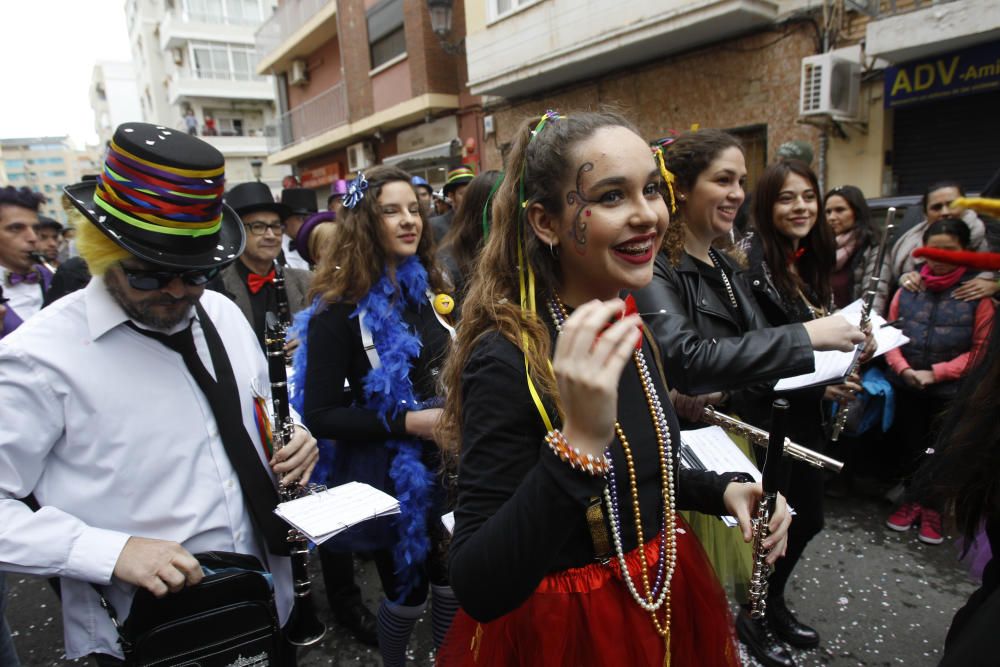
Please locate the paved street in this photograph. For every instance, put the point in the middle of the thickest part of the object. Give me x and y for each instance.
(877, 597)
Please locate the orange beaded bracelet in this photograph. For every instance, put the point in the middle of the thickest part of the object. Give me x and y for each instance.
(588, 463)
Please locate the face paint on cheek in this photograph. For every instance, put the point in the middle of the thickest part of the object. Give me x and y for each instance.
(578, 230)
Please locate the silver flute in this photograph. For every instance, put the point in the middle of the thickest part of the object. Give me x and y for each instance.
(761, 438)
(773, 480)
(867, 303)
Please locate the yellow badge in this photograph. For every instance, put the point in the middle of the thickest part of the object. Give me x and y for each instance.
(444, 304)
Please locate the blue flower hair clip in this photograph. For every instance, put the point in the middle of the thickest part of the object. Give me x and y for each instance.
(356, 191)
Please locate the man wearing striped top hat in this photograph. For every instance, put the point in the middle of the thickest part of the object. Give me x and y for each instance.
(454, 189)
(125, 415)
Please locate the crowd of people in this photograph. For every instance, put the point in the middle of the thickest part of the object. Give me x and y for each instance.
(523, 361)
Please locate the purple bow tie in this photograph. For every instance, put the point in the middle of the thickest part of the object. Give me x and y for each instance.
(17, 278)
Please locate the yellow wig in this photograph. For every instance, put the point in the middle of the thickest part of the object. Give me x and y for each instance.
(99, 251)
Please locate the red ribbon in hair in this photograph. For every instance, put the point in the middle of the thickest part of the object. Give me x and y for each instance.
(984, 261)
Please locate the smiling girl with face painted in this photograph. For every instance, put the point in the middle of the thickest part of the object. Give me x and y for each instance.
(566, 441)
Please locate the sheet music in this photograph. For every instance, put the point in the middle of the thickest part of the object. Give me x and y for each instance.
(320, 516)
(832, 366)
(888, 338)
(713, 448)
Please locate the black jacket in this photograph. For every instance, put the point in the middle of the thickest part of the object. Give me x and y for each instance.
(807, 414)
(521, 512)
(704, 348)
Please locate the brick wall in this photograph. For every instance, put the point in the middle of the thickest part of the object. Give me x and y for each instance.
(353, 32)
(323, 66)
(747, 81)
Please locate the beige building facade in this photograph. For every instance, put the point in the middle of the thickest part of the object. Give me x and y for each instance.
(47, 165)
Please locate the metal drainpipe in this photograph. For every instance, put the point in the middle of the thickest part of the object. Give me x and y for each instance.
(824, 142)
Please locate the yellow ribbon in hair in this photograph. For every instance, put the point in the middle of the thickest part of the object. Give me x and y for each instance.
(668, 178)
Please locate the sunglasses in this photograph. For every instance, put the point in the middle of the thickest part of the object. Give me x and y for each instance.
(147, 280)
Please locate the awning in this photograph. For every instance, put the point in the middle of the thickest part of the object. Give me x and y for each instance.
(417, 158)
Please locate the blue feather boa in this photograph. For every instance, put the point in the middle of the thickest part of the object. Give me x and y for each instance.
(388, 391)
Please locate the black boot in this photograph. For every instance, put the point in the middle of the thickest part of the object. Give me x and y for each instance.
(354, 616)
(787, 627)
(757, 636)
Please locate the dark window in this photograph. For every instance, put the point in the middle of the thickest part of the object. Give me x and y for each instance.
(386, 36)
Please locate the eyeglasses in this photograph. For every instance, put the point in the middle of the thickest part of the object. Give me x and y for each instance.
(147, 281)
(260, 228)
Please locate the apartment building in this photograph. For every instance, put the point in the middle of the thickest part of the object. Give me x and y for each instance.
(47, 165)
(194, 63)
(363, 82)
(854, 79)
(114, 97)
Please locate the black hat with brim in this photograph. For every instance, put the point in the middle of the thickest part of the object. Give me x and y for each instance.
(159, 197)
(300, 201)
(255, 196)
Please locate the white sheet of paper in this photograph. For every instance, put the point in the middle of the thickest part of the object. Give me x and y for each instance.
(320, 516)
(449, 522)
(718, 453)
(888, 338)
(833, 365)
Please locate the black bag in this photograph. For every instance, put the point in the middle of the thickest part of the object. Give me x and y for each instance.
(227, 620)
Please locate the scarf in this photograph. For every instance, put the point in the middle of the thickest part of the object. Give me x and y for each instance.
(847, 243)
(388, 391)
(936, 283)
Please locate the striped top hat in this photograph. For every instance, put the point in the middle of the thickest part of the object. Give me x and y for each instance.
(159, 196)
(458, 176)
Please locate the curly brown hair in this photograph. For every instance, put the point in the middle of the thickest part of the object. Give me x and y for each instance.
(541, 165)
(358, 258)
(687, 157)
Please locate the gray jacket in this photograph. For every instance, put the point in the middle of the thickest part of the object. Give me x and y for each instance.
(296, 285)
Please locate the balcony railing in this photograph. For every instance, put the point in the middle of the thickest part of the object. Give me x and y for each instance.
(318, 115)
(287, 18)
(221, 74)
(217, 18)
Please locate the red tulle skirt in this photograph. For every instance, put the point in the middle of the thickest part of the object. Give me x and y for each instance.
(585, 617)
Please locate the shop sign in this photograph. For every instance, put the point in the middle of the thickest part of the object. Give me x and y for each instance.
(320, 176)
(966, 72)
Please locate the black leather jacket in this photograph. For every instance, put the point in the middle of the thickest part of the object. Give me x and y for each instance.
(704, 348)
(807, 415)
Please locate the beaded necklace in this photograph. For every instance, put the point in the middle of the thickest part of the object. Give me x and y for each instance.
(658, 595)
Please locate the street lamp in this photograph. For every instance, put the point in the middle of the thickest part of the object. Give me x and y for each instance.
(441, 19)
(255, 166)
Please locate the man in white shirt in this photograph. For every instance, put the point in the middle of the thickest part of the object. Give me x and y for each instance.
(24, 280)
(110, 429)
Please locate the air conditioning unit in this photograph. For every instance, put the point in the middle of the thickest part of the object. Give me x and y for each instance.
(830, 86)
(360, 156)
(300, 74)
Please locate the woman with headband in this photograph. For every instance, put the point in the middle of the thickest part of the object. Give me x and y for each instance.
(377, 324)
(568, 548)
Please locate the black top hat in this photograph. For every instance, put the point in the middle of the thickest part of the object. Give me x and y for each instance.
(300, 201)
(159, 196)
(255, 196)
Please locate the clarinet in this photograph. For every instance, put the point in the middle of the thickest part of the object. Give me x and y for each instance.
(281, 297)
(304, 627)
(772, 479)
(761, 438)
(867, 303)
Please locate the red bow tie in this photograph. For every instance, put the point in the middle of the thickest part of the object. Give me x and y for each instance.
(256, 282)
